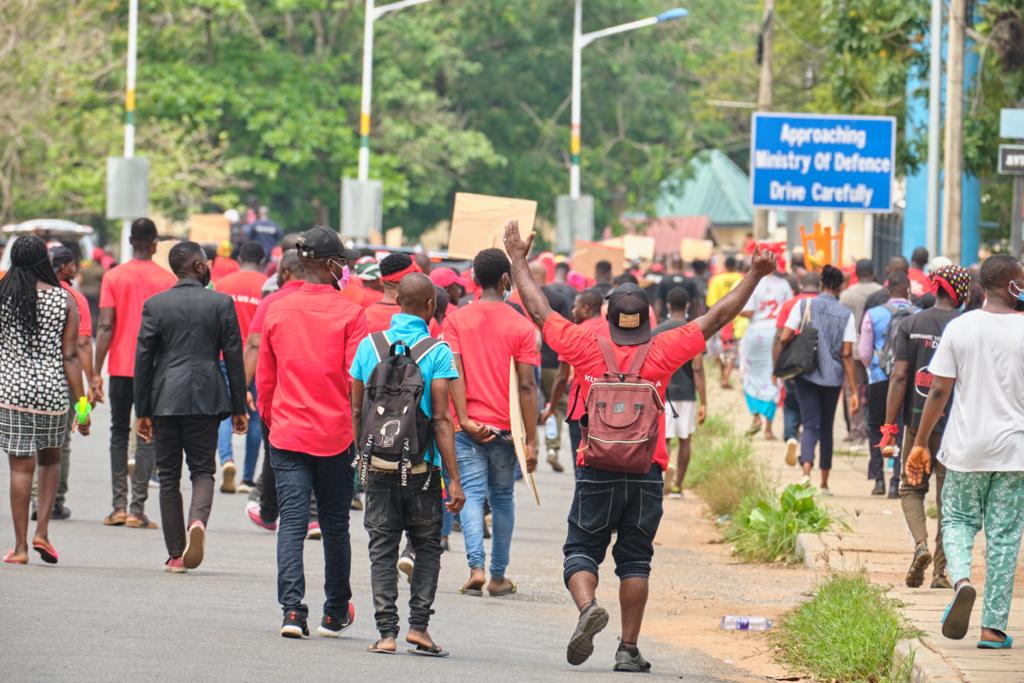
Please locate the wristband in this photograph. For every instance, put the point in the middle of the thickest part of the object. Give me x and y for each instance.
(83, 408)
(889, 430)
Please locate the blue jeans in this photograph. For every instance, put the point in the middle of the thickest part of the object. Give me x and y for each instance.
(790, 412)
(253, 438)
(488, 473)
(331, 478)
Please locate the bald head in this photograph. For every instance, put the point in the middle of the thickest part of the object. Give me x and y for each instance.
(416, 296)
(539, 273)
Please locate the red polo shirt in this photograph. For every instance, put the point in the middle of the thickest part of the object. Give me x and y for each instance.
(378, 315)
(84, 315)
(245, 289)
(669, 351)
(125, 288)
(308, 342)
(290, 287)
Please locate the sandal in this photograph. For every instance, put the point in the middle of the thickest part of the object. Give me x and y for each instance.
(510, 589)
(9, 558)
(376, 648)
(1005, 644)
(46, 551)
(472, 588)
(143, 522)
(434, 650)
(115, 518)
(957, 617)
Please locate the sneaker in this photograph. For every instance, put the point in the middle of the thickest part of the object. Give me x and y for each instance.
(406, 563)
(676, 493)
(791, 446)
(227, 473)
(60, 512)
(331, 628)
(592, 621)
(244, 487)
(825, 492)
(294, 626)
(193, 555)
(805, 480)
(357, 502)
(879, 489)
(942, 581)
(313, 531)
(553, 461)
(922, 558)
(630, 660)
(175, 565)
(252, 511)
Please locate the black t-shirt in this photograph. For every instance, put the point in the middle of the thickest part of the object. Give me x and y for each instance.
(916, 341)
(681, 387)
(561, 305)
(694, 288)
(603, 288)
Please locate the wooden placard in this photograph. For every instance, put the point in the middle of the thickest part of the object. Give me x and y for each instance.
(163, 250)
(587, 254)
(515, 412)
(394, 237)
(637, 247)
(209, 228)
(478, 222)
(691, 249)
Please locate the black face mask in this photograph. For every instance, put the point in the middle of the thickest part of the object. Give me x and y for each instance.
(204, 277)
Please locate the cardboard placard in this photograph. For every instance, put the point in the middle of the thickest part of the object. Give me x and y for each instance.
(163, 250)
(209, 228)
(393, 237)
(691, 249)
(637, 247)
(515, 413)
(478, 222)
(587, 254)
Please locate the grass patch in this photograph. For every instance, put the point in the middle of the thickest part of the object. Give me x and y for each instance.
(723, 470)
(846, 633)
(764, 529)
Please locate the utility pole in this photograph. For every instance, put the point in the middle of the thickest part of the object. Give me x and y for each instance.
(932, 207)
(765, 96)
(952, 215)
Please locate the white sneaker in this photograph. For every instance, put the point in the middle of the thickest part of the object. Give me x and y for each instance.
(406, 564)
(805, 480)
(227, 472)
(243, 488)
(791, 446)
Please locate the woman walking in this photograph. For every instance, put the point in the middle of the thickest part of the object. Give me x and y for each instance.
(818, 391)
(38, 360)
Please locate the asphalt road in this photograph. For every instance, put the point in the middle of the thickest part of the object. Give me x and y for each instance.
(108, 611)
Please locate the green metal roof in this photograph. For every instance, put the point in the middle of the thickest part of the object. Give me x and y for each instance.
(716, 187)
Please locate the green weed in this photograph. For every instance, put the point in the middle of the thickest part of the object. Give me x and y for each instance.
(765, 528)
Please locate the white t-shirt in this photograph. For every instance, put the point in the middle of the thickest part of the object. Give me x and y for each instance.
(984, 352)
(796, 315)
(769, 295)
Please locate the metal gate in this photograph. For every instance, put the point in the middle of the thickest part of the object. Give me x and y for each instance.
(887, 239)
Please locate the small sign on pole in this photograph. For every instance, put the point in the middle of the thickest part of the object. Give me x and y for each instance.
(1011, 159)
(127, 187)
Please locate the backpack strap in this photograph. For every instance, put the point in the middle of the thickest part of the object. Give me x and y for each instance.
(381, 345)
(422, 348)
(639, 358)
(611, 364)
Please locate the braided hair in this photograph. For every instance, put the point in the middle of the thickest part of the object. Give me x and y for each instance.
(30, 263)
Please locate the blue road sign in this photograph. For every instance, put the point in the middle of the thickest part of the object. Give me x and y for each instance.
(822, 161)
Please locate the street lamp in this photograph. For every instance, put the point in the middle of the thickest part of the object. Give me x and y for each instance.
(579, 41)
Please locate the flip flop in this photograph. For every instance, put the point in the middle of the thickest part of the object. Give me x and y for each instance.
(996, 644)
(504, 592)
(8, 558)
(957, 617)
(46, 551)
(753, 431)
(143, 522)
(379, 650)
(434, 650)
(115, 519)
(476, 592)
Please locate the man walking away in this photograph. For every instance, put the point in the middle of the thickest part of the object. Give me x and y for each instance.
(855, 298)
(605, 501)
(876, 348)
(686, 385)
(244, 288)
(409, 503)
(180, 395)
(308, 342)
(982, 448)
(920, 284)
(122, 294)
(916, 342)
(485, 337)
(393, 268)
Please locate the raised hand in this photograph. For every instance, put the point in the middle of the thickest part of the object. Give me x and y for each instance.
(763, 262)
(515, 246)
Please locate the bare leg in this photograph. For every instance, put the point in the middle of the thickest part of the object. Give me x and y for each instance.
(632, 602)
(49, 478)
(583, 587)
(807, 468)
(682, 461)
(824, 478)
(21, 490)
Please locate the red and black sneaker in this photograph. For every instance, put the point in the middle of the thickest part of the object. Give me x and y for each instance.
(294, 626)
(332, 628)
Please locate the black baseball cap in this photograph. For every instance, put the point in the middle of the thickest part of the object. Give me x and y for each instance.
(629, 315)
(321, 243)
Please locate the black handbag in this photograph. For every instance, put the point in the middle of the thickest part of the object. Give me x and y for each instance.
(800, 356)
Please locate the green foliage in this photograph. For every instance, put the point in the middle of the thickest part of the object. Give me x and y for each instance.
(846, 633)
(765, 529)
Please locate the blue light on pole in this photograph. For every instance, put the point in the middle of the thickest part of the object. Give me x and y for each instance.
(672, 14)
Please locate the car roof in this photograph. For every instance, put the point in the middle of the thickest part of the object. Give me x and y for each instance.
(51, 225)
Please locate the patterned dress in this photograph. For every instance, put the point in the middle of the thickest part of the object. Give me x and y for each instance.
(34, 399)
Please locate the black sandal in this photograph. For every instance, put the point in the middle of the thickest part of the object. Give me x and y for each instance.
(434, 650)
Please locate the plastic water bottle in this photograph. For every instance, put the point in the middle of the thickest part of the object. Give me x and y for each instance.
(734, 623)
(551, 427)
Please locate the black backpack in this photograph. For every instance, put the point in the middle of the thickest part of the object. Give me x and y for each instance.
(887, 354)
(394, 426)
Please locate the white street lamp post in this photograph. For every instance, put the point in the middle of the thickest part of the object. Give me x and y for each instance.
(129, 112)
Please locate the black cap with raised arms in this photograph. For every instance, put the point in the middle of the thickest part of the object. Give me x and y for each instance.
(321, 243)
(629, 315)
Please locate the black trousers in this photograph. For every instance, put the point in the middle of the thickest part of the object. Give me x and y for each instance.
(392, 509)
(877, 395)
(196, 435)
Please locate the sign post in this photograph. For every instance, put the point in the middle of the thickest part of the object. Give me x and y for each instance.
(822, 161)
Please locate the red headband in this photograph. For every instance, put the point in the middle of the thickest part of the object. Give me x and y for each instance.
(397, 276)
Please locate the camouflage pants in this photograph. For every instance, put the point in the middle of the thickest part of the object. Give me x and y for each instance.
(993, 501)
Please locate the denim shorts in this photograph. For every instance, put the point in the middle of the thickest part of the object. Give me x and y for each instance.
(630, 505)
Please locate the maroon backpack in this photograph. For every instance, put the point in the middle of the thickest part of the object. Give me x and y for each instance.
(621, 427)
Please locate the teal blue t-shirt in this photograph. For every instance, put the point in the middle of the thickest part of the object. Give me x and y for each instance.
(439, 363)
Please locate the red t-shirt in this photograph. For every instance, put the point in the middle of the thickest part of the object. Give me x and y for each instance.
(256, 324)
(920, 284)
(787, 308)
(577, 399)
(308, 342)
(378, 316)
(84, 315)
(125, 288)
(244, 288)
(669, 351)
(487, 334)
(223, 267)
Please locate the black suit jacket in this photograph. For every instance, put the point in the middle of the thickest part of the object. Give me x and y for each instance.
(184, 331)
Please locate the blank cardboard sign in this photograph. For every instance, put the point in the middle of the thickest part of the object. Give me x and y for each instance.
(393, 237)
(163, 250)
(587, 254)
(690, 249)
(478, 222)
(209, 228)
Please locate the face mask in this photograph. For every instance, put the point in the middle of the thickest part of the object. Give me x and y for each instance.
(204, 278)
(339, 282)
(1019, 294)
